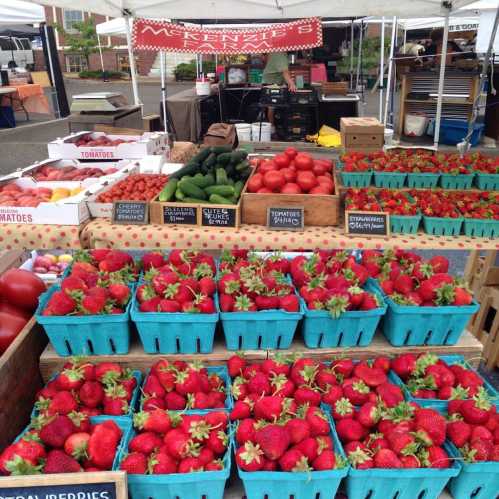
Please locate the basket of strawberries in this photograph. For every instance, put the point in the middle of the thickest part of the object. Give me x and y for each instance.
(389, 171)
(340, 309)
(355, 170)
(175, 307)
(480, 211)
(259, 307)
(454, 172)
(86, 319)
(422, 168)
(486, 169)
(404, 213)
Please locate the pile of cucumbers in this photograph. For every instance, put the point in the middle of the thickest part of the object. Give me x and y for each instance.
(215, 175)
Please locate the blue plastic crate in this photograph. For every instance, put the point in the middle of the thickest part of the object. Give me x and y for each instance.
(224, 374)
(453, 131)
(487, 181)
(438, 226)
(133, 402)
(422, 180)
(85, 334)
(353, 328)
(405, 224)
(356, 179)
(462, 181)
(171, 333)
(476, 480)
(405, 325)
(389, 180)
(438, 404)
(198, 485)
(408, 483)
(474, 227)
(260, 330)
(296, 485)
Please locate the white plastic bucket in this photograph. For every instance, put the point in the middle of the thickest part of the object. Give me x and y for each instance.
(260, 132)
(415, 124)
(388, 136)
(203, 88)
(243, 132)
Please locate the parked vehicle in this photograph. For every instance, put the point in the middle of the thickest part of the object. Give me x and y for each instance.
(16, 52)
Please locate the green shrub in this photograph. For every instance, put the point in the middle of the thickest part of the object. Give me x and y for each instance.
(187, 70)
(99, 75)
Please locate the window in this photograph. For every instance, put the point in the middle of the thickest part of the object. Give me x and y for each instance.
(70, 17)
(25, 44)
(123, 63)
(7, 44)
(76, 63)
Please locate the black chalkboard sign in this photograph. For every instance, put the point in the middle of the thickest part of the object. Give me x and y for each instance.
(218, 217)
(284, 218)
(130, 212)
(366, 223)
(184, 215)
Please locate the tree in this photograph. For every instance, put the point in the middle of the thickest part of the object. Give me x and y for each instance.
(83, 40)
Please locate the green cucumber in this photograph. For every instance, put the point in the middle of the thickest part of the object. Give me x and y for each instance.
(224, 159)
(222, 190)
(203, 180)
(221, 176)
(168, 190)
(179, 195)
(192, 190)
(238, 188)
(202, 154)
(190, 168)
(217, 199)
(242, 166)
(210, 161)
(221, 149)
(238, 156)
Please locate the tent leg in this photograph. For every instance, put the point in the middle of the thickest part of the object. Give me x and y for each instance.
(163, 88)
(57, 111)
(441, 81)
(361, 36)
(133, 69)
(390, 70)
(351, 54)
(382, 69)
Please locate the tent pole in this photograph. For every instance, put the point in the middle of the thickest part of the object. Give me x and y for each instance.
(465, 145)
(382, 69)
(359, 56)
(443, 57)
(51, 69)
(390, 70)
(100, 52)
(351, 54)
(163, 88)
(133, 69)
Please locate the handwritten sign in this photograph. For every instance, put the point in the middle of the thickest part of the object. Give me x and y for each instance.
(183, 215)
(367, 223)
(130, 212)
(218, 217)
(281, 218)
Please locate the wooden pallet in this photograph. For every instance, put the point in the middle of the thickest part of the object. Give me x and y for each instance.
(468, 346)
(485, 325)
(481, 270)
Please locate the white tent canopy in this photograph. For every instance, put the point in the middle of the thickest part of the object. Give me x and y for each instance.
(464, 23)
(114, 27)
(259, 9)
(17, 12)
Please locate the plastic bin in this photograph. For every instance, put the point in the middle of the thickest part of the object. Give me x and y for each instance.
(462, 181)
(405, 325)
(438, 226)
(260, 330)
(487, 181)
(475, 227)
(171, 333)
(389, 180)
(402, 224)
(85, 334)
(453, 131)
(422, 180)
(438, 404)
(354, 328)
(295, 485)
(356, 179)
(417, 483)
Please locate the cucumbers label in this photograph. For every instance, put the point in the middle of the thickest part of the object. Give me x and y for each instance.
(218, 217)
(183, 215)
(281, 218)
(130, 212)
(365, 223)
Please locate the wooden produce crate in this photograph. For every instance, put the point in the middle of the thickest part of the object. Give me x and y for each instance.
(334, 88)
(485, 325)
(481, 270)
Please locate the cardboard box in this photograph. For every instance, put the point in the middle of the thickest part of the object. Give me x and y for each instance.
(143, 145)
(362, 134)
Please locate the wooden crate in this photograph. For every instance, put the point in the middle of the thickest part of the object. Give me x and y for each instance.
(481, 270)
(485, 325)
(334, 88)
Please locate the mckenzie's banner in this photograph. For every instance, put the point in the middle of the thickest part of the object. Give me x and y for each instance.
(161, 35)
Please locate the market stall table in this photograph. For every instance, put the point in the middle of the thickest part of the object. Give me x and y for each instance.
(101, 233)
(6, 92)
(20, 236)
(28, 98)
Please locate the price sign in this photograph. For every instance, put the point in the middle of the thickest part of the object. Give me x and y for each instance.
(283, 218)
(367, 223)
(183, 215)
(218, 217)
(130, 212)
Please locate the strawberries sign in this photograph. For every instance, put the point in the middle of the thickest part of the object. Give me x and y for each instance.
(149, 34)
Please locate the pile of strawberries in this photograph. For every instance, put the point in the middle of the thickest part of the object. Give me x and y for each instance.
(409, 280)
(248, 283)
(182, 282)
(473, 427)
(361, 200)
(404, 436)
(435, 204)
(59, 444)
(88, 389)
(332, 280)
(178, 385)
(397, 203)
(482, 163)
(175, 443)
(429, 377)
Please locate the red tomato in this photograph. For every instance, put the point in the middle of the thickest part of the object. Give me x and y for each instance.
(264, 190)
(321, 189)
(291, 188)
(322, 179)
(289, 174)
(10, 327)
(319, 169)
(274, 180)
(291, 152)
(304, 162)
(255, 182)
(329, 175)
(18, 312)
(306, 181)
(267, 166)
(281, 161)
(21, 288)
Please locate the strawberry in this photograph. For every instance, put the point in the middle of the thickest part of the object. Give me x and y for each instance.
(235, 365)
(134, 463)
(349, 429)
(259, 384)
(458, 432)
(386, 458)
(356, 391)
(294, 460)
(462, 297)
(244, 304)
(103, 444)
(60, 303)
(481, 433)
(368, 415)
(332, 395)
(56, 430)
(157, 421)
(390, 394)
(62, 402)
(318, 422)
(108, 372)
(403, 284)
(431, 424)
(372, 376)
(435, 457)
(227, 302)
(70, 379)
(342, 409)
(91, 394)
(289, 303)
(76, 445)
(120, 293)
(179, 444)
(150, 305)
(153, 260)
(306, 395)
(250, 457)
(217, 442)
(59, 462)
(189, 465)
(268, 408)
(369, 302)
(440, 264)
(343, 367)
(246, 431)
(404, 365)
(273, 440)
(298, 430)
(476, 410)
(326, 460)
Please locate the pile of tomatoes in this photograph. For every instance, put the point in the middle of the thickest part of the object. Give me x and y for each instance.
(292, 172)
(137, 187)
